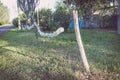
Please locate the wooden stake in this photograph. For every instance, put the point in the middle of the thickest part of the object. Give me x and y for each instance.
(79, 41)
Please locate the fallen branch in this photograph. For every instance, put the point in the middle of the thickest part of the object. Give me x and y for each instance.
(55, 33)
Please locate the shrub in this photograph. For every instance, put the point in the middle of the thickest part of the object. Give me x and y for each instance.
(3, 22)
(45, 18)
(15, 22)
(52, 25)
(62, 16)
(0, 23)
(106, 21)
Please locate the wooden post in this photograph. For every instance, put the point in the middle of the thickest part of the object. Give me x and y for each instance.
(79, 41)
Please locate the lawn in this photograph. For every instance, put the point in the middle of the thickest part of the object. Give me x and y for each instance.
(22, 57)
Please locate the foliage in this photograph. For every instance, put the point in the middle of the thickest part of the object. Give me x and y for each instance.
(62, 16)
(4, 14)
(22, 20)
(21, 58)
(49, 20)
(94, 5)
(15, 22)
(45, 19)
(22, 17)
(28, 7)
(109, 21)
(87, 7)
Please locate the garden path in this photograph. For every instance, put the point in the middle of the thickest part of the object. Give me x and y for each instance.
(4, 29)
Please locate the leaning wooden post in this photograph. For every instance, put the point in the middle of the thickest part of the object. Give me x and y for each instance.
(79, 41)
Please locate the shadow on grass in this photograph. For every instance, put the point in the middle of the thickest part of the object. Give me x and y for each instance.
(10, 76)
(58, 76)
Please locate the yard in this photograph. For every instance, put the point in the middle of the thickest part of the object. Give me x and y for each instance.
(22, 57)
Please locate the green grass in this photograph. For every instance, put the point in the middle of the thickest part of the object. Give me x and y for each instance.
(22, 58)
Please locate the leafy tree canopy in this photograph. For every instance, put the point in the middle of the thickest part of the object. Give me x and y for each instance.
(28, 7)
(86, 6)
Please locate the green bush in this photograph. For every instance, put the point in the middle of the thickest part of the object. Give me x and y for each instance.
(106, 21)
(3, 22)
(15, 22)
(62, 16)
(0, 23)
(4, 14)
(52, 25)
(45, 19)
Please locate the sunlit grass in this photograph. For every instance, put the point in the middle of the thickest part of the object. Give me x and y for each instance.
(23, 57)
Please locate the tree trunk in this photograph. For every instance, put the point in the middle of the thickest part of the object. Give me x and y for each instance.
(79, 41)
(38, 17)
(118, 17)
(19, 24)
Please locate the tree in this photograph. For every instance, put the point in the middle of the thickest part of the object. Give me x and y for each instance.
(28, 7)
(4, 14)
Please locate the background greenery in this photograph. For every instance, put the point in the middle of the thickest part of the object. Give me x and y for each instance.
(48, 19)
(4, 14)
